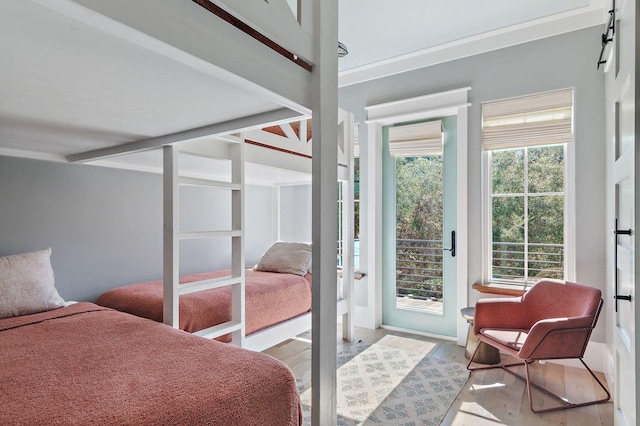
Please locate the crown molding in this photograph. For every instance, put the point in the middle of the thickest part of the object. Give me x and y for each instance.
(584, 17)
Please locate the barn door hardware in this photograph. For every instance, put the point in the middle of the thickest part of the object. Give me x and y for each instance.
(619, 296)
(607, 36)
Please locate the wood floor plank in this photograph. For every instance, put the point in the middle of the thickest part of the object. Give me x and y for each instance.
(490, 397)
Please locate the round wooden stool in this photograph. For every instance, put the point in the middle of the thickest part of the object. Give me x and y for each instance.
(486, 354)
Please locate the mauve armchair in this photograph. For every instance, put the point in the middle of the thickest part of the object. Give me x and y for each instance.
(553, 320)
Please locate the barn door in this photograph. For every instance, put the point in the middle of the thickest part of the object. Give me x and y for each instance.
(623, 163)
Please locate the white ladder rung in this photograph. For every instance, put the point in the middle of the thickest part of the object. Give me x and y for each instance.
(209, 234)
(208, 183)
(219, 330)
(208, 284)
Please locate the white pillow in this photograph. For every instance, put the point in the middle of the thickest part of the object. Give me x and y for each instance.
(27, 284)
(285, 257)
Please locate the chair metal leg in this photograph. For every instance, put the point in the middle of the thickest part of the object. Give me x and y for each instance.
(565, 405)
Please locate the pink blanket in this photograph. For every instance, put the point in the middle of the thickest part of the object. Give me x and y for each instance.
(85, 364)
(270, 298)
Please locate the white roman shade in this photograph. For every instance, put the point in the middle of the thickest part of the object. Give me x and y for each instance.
(416, 139)
(542, 119)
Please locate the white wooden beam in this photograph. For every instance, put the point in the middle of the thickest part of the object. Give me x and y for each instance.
(289, 132)
(237, 244)
(171, 242)
(240, 124)
(348, 229)
(303, 131)
(324, 216)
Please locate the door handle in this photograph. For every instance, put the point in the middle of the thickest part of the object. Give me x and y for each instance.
(453, 244)
(615, 256)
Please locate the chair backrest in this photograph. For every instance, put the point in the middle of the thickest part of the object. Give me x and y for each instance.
(559, 299)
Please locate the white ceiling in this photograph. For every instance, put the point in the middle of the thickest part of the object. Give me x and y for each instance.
(378, 30)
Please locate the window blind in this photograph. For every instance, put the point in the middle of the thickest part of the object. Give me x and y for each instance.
(541, 119)
(416, 139)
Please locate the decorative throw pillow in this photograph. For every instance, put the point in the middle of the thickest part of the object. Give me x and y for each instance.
(27, 284)
(285, 257)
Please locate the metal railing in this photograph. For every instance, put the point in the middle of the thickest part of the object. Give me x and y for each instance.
(526, 263)
(419, 269)
(419, 265)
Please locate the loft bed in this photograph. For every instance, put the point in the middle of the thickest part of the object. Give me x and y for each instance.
(285, 150)
(89, 80)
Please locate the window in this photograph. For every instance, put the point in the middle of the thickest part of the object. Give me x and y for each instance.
(356, 208)
(526, 141)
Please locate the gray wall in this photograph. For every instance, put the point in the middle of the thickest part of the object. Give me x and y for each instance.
(105, 225)
(558, 62)
(295, 213)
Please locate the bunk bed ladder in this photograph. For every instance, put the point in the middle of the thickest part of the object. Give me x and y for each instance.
(172, 236)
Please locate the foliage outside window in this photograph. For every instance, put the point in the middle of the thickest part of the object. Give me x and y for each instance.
(419, 210)
(526, 141)
(527, 213)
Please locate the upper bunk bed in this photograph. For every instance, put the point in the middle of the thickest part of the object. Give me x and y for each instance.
(87, 79)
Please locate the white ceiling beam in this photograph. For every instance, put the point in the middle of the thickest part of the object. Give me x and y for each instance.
(237, 125)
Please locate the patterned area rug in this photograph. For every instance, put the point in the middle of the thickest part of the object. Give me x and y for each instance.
(379, 385)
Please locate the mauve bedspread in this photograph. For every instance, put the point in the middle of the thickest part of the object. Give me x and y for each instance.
(270, 298)
(85, 364)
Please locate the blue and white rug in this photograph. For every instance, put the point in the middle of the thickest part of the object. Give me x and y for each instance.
(379, 385)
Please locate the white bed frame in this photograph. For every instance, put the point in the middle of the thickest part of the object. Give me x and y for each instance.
(211, 45)
(232, 148)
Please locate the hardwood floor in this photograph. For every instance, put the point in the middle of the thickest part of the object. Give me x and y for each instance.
(490, 397)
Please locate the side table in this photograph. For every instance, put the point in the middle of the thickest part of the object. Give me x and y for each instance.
(486, 354)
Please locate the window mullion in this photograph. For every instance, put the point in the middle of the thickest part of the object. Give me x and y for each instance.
(526, 215)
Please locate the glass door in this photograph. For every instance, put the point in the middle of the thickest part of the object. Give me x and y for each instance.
(419, 216)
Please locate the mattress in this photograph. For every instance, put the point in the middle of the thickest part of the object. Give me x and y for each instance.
(270, 298)
(86, 364)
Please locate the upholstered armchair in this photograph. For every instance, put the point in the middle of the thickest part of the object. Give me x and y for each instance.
(553, 320)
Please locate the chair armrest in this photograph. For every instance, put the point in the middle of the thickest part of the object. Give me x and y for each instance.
(557, 338)
(506, 314)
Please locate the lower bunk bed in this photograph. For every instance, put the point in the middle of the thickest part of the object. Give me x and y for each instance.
(277, 304)
(270, 298)
(86, 364)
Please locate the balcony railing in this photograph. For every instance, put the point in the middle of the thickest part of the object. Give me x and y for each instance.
(419, 265)
(520, 263)
(419, 269)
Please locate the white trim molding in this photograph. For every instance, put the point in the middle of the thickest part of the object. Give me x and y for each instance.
(449, 103)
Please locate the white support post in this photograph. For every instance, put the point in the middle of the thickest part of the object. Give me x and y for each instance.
(324, 217)
(237, 243)
(171, 243)
(348, 229)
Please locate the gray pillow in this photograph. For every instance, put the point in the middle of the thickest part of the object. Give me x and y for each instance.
(285, 257)
(27, 284)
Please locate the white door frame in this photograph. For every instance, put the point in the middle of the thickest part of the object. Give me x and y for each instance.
(452, 102)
